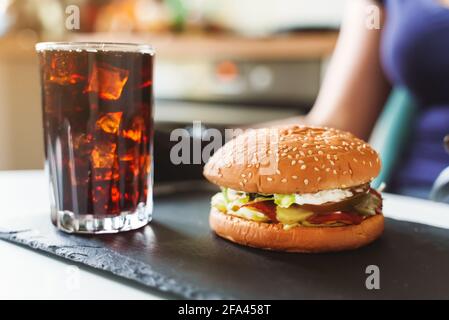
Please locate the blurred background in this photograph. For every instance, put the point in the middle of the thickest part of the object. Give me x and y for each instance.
(224, 62)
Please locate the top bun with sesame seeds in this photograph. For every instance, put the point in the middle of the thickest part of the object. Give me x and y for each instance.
(293, 159)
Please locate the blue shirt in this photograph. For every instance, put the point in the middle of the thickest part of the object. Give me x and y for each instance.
(415, 54)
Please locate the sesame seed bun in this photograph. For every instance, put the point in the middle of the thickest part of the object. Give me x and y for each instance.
(293, 159)
(272, 236)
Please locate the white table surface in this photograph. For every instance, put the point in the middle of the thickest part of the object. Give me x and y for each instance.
(27, 274)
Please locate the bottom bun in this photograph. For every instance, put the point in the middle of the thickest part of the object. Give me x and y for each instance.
(272, 236)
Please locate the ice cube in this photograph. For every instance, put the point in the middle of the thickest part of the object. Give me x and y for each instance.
(145, 164)
(130, 161)
(103, 155)
(110, 122)
(145, 84)
(108, 81)
(63, 70)
(82, 144)
(129, 155)
(115, 194)
(100, 198)
(105, 174)
(135, 131)
(106, 197)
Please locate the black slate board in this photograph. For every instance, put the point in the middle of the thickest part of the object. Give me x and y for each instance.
(178, 254)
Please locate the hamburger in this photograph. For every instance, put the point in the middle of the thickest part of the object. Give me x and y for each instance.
(296, 188)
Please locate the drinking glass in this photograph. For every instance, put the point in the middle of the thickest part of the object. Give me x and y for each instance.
(97, 102)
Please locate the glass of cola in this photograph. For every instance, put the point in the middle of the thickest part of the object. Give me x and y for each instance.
(97, 102)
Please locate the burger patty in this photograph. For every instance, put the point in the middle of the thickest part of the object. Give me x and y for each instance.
(363, 203)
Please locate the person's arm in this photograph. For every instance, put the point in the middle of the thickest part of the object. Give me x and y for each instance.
(354, 89)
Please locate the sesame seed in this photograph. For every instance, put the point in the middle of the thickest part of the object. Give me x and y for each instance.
(269, 179)
(370, 164)
(318, 179)
(332, 163)
(220, 175)
(335, 157)
(302, 153)
(293, 162)
(320, 152)
(303, 167)
(257, 165)
(243, 175)
(283, 154)
(316, 159)
(316, 169)
(364, 162)
(328, 169)
(245, 180)
(350, 171)
(300, 161)
(354, 159)
(309, 152)
(289, 156)
(296, 156)
(228, 165)
(328, 156)
(284, 180)
(343, 186)
(305, 145)
(250, 175)
(294, 177)
(335, 171)
(306, 182)
(241, 184)
(294, 149)
(249, 166)
(278, 171)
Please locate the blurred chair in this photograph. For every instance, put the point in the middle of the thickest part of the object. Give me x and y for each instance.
(440, 189)
(391, 132)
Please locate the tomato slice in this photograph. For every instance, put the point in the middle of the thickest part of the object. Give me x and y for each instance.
(334, 217)
(268, 208)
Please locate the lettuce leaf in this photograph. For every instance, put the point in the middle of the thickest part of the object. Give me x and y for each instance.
(229, 199)
(284, 200)
(368, 205)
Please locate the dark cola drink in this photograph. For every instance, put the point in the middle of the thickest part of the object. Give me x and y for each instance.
(98, 124)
